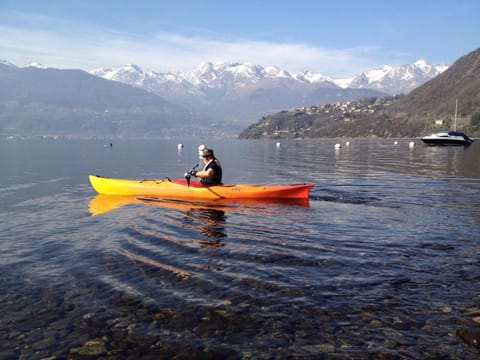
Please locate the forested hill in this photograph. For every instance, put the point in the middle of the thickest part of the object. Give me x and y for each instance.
(411, 115)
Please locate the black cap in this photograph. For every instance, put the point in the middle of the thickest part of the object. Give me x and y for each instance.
(207, 152)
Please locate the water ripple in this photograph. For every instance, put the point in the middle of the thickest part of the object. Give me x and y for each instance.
(380, 263)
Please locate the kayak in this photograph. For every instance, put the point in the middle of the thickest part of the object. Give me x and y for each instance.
(180, 189)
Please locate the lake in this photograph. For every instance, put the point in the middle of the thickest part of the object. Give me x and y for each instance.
(381, 262)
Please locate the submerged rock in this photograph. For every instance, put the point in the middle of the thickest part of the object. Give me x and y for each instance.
(470, 336)
(91, 348)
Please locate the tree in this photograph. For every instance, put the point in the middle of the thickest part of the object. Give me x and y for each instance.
(475, 120)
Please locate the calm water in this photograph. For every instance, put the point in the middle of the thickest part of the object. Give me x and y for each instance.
(382, 262)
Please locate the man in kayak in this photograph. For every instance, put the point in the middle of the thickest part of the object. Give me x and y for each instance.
(212, 171)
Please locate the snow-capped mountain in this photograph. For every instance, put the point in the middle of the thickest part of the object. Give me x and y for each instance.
(230, 76)
(31, 65)
(221, 74)
(395, 80)
(37, 65)
(313, 77)
(6, 63)
(245, 91)
(210, 75)
(159, 83)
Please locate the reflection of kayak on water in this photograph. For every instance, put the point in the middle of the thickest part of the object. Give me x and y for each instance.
(208, 217)
(186, 189)
(103, 203)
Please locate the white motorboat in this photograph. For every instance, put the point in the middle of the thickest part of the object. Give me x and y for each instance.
(447, 138)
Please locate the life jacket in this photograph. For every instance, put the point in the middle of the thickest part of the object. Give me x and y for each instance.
(216, 178)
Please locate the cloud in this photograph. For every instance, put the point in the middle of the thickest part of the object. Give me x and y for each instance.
(68, 45)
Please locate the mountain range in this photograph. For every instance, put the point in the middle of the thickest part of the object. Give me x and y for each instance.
(216, 99)
(428, 108)
(393, 80)
(37, 100)
(240, 93)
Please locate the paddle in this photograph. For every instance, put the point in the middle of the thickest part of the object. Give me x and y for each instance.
(189, 174)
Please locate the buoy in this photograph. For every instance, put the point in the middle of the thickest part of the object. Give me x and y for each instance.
(411, 144)
(338, 146)
(200, 151)
(179, 146)
(347, 143)
(278, 144)
(395, 143)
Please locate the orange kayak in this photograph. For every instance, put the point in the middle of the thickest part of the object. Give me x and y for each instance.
(178, 189)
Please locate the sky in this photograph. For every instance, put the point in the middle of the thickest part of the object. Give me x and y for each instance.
(337, 38)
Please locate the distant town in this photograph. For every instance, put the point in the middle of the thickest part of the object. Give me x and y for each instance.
(313, 121)
(347, 111)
